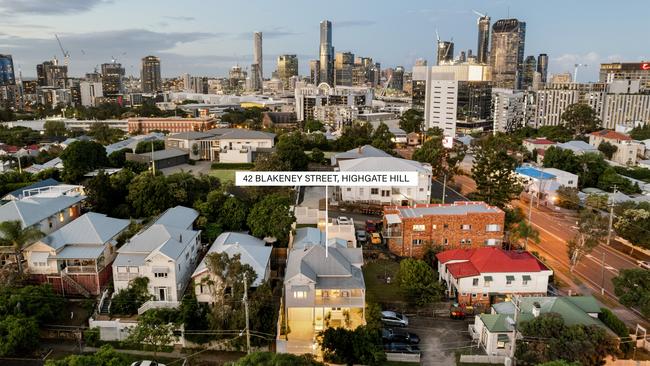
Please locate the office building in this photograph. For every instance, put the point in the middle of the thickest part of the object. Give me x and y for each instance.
(626, 71)
(112, 78)
(326, 53)
(542, 67)
(508, 109)
(257, 72)
(441, 102)
(50, 73)
(287, 67)
(397, 82)
(474, 106)
(445, 52)
(626, 103)
(144, 125)
(507, 53)
(150, 75)
(553, 99)
(7, 76)
(483, 24)
(314, 72)
(343, 65)
(254, 82)
(362, 72)
(530, 68)
(308, 97)
(89, 92)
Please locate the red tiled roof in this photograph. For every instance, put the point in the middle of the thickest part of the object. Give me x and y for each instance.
(32, 147)
(540, 141)
(612, 135)
(488, 260)
(541, 152)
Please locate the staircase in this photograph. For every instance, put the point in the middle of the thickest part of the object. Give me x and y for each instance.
(80, 289)
(105, 309)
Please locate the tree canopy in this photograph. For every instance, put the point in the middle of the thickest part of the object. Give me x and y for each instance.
(271, 217)
(419, 282)
(358, 346)
(277, 359)
(580, 118)
(412, 121)
(291, 150)
(382, 138)
(632, 286)
(82, 157)
(592, 228)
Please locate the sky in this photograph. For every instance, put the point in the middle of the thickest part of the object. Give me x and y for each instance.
(206, 38)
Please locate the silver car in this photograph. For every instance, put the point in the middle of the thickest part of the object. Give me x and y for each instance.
(394, 319)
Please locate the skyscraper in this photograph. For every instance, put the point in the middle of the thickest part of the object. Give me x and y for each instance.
(397, 82)
(314, 71)
(7, 76)
(483, 39)
(445, 52)
(326, 53)
(507, 53)
(50, 73)
(257, 60)
(343, 66)
(112, 78)
(542, 66)
(530, 67)
(150, 78)
(287, 67)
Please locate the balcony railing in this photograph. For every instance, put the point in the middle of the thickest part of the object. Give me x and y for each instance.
(81, 269)
(153, 304)
(126, 276)
(391, 233)
(340, 301)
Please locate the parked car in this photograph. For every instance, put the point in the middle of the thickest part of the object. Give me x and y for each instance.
(394, 318)
(343, 220)
(362, 237)
(375, 238)
(147, 363)
(643, 264)
(457, 314)
(390, 335)
(401, 348)
(371, 226)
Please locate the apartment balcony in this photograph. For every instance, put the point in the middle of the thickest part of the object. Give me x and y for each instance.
(339, 302)
(80, 269)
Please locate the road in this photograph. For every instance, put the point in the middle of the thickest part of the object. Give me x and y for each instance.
(556, 229)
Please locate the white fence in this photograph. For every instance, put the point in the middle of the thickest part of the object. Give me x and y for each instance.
(482, 359)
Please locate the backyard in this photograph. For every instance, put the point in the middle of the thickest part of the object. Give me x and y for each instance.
(377, 289)
(224, 175)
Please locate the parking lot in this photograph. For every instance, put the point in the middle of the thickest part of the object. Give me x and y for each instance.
(440, 339)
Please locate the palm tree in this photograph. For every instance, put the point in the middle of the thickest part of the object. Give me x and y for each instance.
(523, 230)
(12, 234)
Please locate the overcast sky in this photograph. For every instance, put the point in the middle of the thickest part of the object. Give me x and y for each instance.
(208, 37)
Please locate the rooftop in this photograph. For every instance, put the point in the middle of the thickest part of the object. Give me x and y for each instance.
(540, 141)
(577, 146)
(611, 135)
(456, 208)
(379, 164)
(364, 151)
(165, 154)
(473, 262)
(573, 309)
(340, 269)
(32, 210)
(534, 173)
(18, 193)
(90, 228)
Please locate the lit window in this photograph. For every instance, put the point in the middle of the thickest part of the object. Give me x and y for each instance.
(492, 228)
(61, 216)
(418, 227)
(300, 294)
(466, 227)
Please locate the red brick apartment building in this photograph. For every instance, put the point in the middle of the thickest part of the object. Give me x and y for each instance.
(409, 230)
(171, 124)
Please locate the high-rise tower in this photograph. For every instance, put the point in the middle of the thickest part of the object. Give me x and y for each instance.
(507, 53)
(326, 53)
(150, 78)
(445, 52)
(542, 66)
(258, 72)
(483, 39)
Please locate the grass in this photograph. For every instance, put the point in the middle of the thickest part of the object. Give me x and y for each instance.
(224, 175)
(377, 290)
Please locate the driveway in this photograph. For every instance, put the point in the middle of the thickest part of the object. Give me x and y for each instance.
(440, 339)
(201, 166)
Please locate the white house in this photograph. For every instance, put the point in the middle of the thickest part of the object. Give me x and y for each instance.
(227, 145)
(165, 252)
(562, 177)
(387, 195)
(365, 151)
(482, 275)
(252, 251)
(627, 152)
(493, 332)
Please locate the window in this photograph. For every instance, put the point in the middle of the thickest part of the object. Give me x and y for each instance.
(418, 227)
(487, 281)
(348, 189)
(61, 216)
(492, 228)
(475, 282)
(465, 227)
(417, 241)
(570, 182)
(385, 193)
(509, 280)
(445, 226)
(473, 295)
(434, 227)
(525, 279)
(300, 294)
(160, 275)
(374, 190)
(445, 241)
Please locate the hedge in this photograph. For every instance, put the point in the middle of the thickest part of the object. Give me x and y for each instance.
(243, 166)
(619, 328)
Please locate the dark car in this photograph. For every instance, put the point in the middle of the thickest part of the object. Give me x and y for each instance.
(390, 335)
(398, 347)
(371, 226)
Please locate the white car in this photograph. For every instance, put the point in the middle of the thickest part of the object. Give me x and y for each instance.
(147, 363)
(342, 220)
(395, 319)
(643, 264)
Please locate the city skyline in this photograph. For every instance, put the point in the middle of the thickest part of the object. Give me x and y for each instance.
(94, 32)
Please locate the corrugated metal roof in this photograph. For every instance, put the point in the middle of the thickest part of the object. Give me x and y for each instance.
(373, 164)
(80, 251)
(32, 210)
(90, 228)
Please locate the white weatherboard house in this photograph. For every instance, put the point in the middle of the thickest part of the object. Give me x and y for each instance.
(387, 195)
(252, 251)
(165, 252)
(321, 291)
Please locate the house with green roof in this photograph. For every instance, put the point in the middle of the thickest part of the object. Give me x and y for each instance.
(493, 332)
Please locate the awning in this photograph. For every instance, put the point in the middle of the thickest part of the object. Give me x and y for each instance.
(160, 270)
(38, 257)
(526, 278)
(510, 278)
(487, 278)
(393, 219)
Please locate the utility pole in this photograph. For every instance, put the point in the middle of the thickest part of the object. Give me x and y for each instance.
(248, 330)
(530, 216)
(609, 239)
(153, 162)
(515, 302)
(444, 188)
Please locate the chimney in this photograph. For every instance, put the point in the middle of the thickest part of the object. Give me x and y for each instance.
(180, 238)
(536, 309)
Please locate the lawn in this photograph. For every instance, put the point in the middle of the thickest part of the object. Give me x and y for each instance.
(377, 290)
(224, 175)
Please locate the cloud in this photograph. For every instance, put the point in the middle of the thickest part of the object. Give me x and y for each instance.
(353, 23)
(48, 7)
(276, 32)
(179, 18)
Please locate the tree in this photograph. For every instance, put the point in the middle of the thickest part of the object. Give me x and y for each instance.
(610, 179)
(567, 197)
(117, 158)
(234, 213)
(580, 118)
(597, 201)
(104, 134)
(632, 286)
(54, 128)
(290, 149)
(12, 234)
(317, 155)
(619, 328)
(18, 336)
(359, 346)
(227, 276)
(38, 302)
(592, 228)
(493, 171)
(277, 359)
(443, 161)
(590, 167)
(313, 125)
(151, 330)
(559, 363)
(418, 282)
(271, 217)
(563, 159)
(524, 231)
(383, 139)
(145, 146)
(106, 356)
(412, 121)
(149, 195)
(271, 162)
(633, 224)
(82, 157)
(607, 149)
(128, 300)
(546, 338)
(641, 132)
(99, 193)
(353, 137)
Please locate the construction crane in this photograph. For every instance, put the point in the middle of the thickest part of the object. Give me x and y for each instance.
(382, 92)
(66, 54)
(575, 71)
(480, 14)
(444, 57)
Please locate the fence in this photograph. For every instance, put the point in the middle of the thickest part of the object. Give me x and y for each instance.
(403, 357)
(482, 359)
